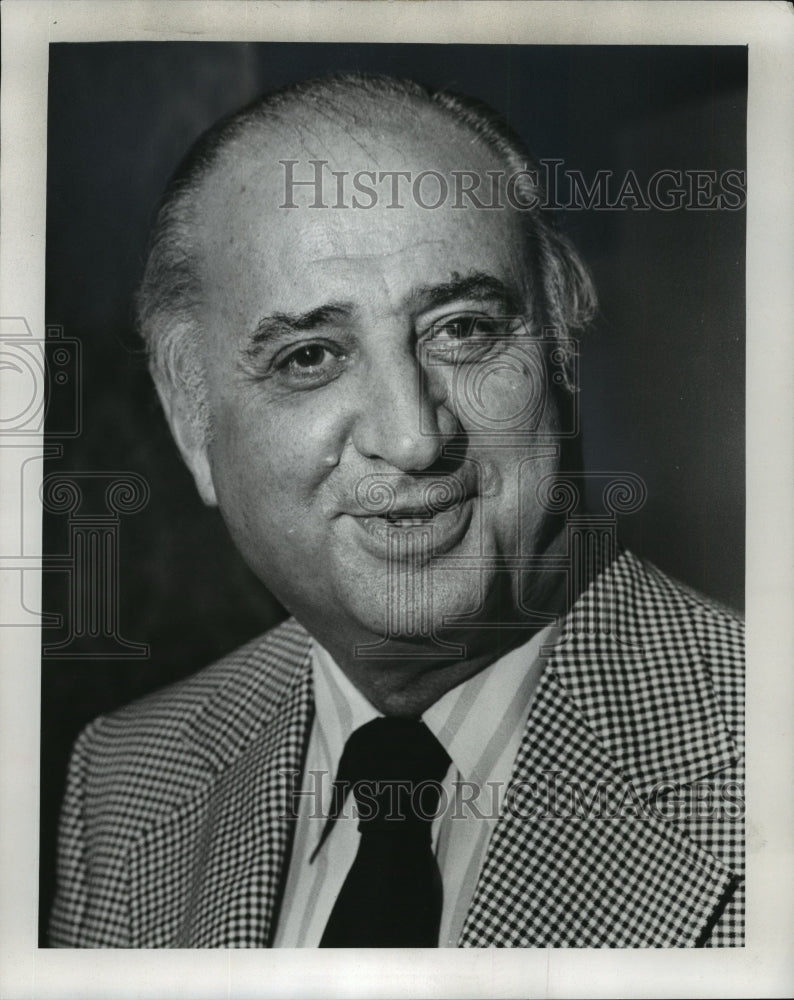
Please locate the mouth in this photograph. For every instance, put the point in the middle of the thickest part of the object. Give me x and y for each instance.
(408, 533)
(408, 518)
(407, 522)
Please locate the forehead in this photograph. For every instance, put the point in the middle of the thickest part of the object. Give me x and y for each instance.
(266, 236)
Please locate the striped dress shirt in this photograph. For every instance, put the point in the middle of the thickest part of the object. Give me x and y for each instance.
(479, 723)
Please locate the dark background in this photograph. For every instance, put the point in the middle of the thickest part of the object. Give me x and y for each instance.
(662, 382)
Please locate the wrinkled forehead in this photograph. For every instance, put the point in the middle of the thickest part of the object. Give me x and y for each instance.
(378, 133)
(383, 181)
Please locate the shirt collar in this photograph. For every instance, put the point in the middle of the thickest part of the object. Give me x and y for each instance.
(340, 707)
(479, 723)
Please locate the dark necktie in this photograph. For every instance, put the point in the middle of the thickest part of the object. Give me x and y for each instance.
(391, 897)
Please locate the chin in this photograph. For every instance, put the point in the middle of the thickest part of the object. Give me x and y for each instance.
(414, 609)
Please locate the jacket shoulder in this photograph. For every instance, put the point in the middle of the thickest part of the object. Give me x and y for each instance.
(659, 598)
(150, 741)
(140, 768)
(699, 624)
(717, 629)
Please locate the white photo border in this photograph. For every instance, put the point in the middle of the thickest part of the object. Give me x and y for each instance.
(764, 967)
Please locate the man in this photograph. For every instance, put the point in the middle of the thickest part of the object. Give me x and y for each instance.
(484, 724)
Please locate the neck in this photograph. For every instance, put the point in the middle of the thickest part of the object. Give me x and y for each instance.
(408, 687)
(413, 676)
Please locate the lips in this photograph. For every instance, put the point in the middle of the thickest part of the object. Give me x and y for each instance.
(420, 512)
(411, 517)
(407, 520)
(408, 533)
(398, 496)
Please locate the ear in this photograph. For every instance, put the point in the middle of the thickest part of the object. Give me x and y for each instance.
(190, 439)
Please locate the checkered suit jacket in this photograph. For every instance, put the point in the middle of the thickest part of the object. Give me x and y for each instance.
(175, 829)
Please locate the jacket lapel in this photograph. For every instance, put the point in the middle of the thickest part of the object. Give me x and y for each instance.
(586, 853)
(225, 847)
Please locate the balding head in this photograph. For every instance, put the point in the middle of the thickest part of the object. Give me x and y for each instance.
(355, 123)
(313, 361)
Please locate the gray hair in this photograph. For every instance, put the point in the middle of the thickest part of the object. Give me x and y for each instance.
(167, 301)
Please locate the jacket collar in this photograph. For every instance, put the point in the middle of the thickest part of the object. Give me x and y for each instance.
(631, 663)
(260, 686)
(626, 704)
(252, 736)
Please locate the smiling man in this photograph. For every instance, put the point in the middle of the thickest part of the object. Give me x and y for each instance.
(360, 322)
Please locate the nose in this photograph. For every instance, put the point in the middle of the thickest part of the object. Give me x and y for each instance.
(403, 420)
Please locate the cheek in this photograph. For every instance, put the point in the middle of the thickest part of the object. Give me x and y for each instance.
(268, 465)
(504, 395)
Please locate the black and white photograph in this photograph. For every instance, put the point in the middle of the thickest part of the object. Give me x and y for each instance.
(387, 471)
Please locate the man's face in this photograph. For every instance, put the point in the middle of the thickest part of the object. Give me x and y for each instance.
(365, 368)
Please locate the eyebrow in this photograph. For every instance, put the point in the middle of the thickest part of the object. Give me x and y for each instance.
(476, 285)
(278, 324)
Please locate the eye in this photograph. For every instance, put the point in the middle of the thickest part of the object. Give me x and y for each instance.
(464, 338)
(310, 364)
(465, 326)
(310, 356)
